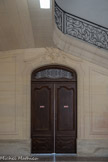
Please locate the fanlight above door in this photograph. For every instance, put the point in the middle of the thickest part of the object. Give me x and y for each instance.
(54, 73)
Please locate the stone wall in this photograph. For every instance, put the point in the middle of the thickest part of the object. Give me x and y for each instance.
(15, 99)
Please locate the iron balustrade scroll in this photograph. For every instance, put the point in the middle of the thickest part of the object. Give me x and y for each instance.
(82, 29)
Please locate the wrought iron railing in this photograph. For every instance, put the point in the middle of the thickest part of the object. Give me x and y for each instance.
(80, 28)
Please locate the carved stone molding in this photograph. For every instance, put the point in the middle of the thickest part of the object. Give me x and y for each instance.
(98, 119)
(80, 49)
(7, 96)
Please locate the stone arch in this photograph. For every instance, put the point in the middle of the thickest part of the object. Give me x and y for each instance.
(47, 58)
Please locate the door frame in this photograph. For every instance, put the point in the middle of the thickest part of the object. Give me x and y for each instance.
(56, 80)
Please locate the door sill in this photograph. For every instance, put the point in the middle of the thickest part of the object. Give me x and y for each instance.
(66, 154)
(51, 154)
(42, 154)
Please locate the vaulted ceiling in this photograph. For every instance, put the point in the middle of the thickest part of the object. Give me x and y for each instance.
(24, 25)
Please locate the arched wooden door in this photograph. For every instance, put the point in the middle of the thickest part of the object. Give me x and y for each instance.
(54, 110)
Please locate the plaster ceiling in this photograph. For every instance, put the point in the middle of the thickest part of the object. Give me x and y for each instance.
(24, 25)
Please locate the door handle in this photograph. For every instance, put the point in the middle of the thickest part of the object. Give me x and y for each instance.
(66, 106)
(42, 107)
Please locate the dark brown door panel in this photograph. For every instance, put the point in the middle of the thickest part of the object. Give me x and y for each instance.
(65, 134)
(42, 119)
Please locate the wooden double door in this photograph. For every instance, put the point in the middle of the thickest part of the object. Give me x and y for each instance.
(53, 117)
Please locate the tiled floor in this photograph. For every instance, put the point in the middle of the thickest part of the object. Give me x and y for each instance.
(64, 158)
(71, 158)
(68, 158)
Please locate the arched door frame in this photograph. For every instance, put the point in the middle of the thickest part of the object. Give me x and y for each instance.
(74, 79)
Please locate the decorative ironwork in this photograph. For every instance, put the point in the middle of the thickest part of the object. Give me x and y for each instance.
(58, 17)
(53, 74)
(82, 29)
